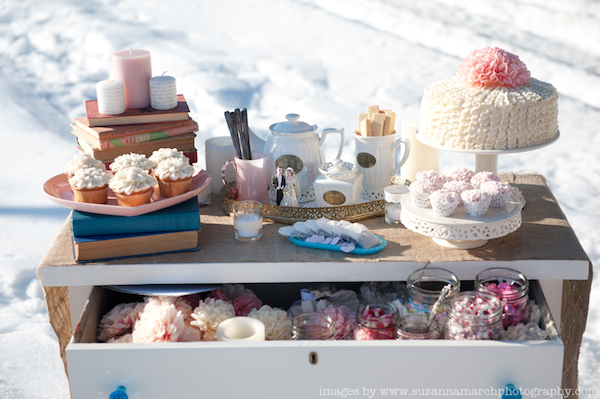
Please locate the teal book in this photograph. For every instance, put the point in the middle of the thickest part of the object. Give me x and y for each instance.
(183, 216)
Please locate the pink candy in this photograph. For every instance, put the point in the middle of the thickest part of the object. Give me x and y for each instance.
(376, 322)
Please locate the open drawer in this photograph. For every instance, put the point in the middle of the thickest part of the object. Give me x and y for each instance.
(307, 369)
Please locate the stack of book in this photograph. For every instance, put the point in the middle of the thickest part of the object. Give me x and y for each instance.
(101, 237)
(141, 131)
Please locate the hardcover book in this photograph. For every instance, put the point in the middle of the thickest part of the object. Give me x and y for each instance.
(183, 143)
(135, 116)
(153, 132)
(183, 216)
(106, 247)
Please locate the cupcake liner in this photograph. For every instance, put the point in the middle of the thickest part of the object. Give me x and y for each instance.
(476, 208)
(136, 198)
(172, 188)
(499, 201)
(96, 195)
(420, 200)
(444, 208)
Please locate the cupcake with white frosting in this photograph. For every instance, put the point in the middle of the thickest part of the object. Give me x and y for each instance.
(132, 186)
(82, 161)
(444, 202)
(90, 185)
(500, 193)
(482, 178)
(476, 202)
(431, 176)
(420, 191)
(174, 176)
(458, 186)
(163, 154)
(461, 173)
(130, 160)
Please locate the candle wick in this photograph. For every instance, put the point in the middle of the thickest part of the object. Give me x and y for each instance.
(131, 52)
(163, 74)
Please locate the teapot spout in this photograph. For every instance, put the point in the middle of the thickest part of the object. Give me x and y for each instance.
(256, 143)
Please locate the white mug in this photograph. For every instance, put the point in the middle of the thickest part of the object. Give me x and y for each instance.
(376, 160)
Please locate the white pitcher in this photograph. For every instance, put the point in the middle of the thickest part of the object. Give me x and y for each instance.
(376, 160)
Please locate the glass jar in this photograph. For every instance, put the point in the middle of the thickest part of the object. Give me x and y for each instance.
(312, 326)
(424, 286)
(474, 315)
(510, 286)
(375, 321)
(393, 207)
(414, 326)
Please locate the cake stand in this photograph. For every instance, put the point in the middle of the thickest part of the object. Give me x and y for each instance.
(460, 231)
(486, 160)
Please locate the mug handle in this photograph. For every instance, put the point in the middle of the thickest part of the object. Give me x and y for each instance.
(332, 130)
(232, 190)
(396, 144)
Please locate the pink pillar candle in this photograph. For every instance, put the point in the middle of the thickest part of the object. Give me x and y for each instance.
(133, 68)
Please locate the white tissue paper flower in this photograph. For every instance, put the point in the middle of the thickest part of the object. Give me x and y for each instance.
(278, 326)
(209, 314)
(164, 320)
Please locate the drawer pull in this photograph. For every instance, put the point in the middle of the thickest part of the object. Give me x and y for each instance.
(511, 392)
(313, 358)
(120, 393)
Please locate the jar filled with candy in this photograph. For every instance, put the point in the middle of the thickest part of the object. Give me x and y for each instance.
(375, 321)
(312, 326)
(474, 315)
(424, 286)
(509, 286)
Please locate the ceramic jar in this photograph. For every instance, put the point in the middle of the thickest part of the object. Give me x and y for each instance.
(338, 183)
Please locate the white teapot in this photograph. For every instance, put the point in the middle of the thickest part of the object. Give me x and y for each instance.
(297, 145)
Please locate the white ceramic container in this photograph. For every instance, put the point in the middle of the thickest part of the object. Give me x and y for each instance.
(339, 183)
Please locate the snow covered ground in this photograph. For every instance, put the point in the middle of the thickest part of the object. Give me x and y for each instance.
(324, 59)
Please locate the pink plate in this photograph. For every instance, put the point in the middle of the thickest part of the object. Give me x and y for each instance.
(59, 191)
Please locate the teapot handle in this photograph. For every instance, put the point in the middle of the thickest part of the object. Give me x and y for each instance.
(332, 130)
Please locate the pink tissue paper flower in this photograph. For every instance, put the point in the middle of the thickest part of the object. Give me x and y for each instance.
(242, 299)
(119, 321)
(491, 67)
(164, 320)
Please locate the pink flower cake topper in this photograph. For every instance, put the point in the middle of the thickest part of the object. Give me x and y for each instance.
(493, 67)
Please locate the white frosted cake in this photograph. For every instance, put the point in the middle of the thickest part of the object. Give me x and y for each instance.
(491, 104)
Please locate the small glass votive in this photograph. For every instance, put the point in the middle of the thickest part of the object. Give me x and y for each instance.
(393, 197)
(247, 220)
(312, 326)
(414, 326)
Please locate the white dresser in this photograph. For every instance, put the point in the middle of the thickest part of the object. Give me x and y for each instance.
(545, 249)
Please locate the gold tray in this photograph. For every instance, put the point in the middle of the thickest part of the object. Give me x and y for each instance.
(291, 215)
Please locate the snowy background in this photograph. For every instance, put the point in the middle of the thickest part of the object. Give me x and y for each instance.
(326, 60)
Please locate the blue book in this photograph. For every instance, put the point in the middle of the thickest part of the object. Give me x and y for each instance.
(183, 216)
(113, 246)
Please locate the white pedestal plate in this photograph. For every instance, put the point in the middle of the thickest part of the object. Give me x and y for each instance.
(460, 231)
(486, 160)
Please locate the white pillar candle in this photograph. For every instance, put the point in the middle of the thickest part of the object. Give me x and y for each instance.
(134, 69)
(422, 157)
(163, 92)
(241, 329)
(217, 151)
(111, 97)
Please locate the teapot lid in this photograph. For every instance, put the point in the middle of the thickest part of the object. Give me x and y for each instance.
(338, 169)
(292, 125)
